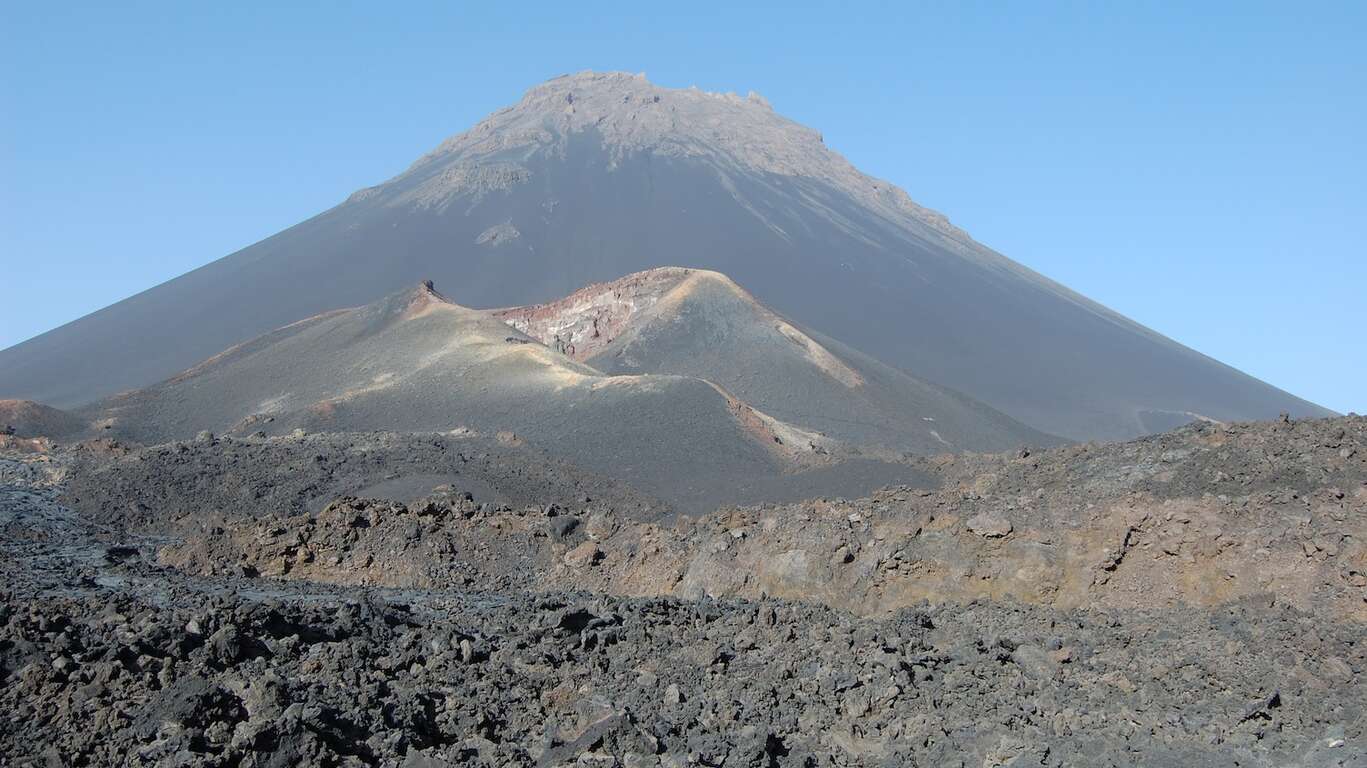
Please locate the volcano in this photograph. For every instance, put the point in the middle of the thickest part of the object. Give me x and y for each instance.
(594, 176)
(417, 362)
(701, 324)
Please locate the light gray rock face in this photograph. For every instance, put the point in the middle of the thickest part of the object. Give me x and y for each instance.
(989, 526)
(602, 175)
(497, 235)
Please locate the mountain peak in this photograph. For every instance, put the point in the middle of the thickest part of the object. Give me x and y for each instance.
(409, 304)
(633, 114)
(738, 136)
(619, 86)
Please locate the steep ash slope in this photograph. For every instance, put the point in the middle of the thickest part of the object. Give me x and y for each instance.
(417, 362)
(701, 323)
(26, 418)
(593, 176)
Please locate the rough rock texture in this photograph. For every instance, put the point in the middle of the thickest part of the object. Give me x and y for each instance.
(585, 322)
(1198, 517)
(197, 676)
(491, 641)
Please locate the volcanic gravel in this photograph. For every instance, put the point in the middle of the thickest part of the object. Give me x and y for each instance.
(133, 632)
(206, 675)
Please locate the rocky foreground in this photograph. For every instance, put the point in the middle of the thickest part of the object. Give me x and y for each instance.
(1196, 598)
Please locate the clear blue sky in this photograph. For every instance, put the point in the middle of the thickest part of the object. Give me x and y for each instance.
(1202, 170)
